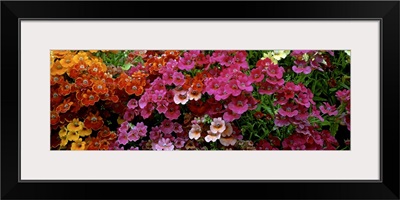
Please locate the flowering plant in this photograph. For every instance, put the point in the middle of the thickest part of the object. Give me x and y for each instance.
(200, 100)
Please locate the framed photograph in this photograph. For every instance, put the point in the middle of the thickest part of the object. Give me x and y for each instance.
(217, 98)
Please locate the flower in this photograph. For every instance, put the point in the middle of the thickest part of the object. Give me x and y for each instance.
(173, 111)
(328, 109)
(93, 121)
(78, 145)
(278, 55)
(228, 130)
(195, 132)
(212, 136)
(167, 126)
(147, 111)
(228, 141)
(194, 94)
(84, 132)
(57, 69)
(275, 71)
(72, 136)
(141, 129)
(123, 138)
(217, 125)
(301, 67)
(178, 79)
(54, 117)
(75, 125)
(88, 98)
(238, 105)
(164, 144)
(288, 110)
(256, 75)
(181, 98)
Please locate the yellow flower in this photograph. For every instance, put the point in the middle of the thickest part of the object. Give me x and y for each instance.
(67, 61)
(75, 125)
(81, 57)
(84, 132)
(78, 145)
(72, 136)
(270, 56)
(57, 69)
(64, 141)
(62, 132)
(279, 54)
(120, 120)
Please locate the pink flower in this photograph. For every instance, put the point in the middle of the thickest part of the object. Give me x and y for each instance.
(212, 136)
(186, 62)
(223, 93)
(195, 132)
(302, 99)
(303, 113)
(328, 109)
(167, 126)
(213, 86)
(124, 127)
(181, 97)
(217, 125)
(178, 128)
(147, 111)
(244, 84)
(316, 113)
(179, 79)
(240, 59)
(233, 88)
(144, 100)
(275, 81)
(281, 99)
(281, 121)
(238, 105)
(132, 104)
(173, 111)
(133, 135)
(123, 138)
(162, 106)
(256, 75)
(275, 71)
(141, 129)
(343, 95)
(129, 115)
(288, 110)
(155, 133)
(267, 88)
(158, 95)
(164, 145)
(179, 143)
(158, 84)
(168, 76)
(301, 67)
(229, 116)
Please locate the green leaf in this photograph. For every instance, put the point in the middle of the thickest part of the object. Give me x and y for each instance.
(334, 128)
(126, 66)
(319, 99)
(332, 89)
(344, 85)
(325, 123)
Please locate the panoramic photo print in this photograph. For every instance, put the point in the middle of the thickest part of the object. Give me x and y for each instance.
(165, 100)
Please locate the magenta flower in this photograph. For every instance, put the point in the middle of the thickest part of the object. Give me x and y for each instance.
(124, 127)
(281, 121)
(168, 76)
(288, 110)
(267, 88)
(158, 95)
(213, 86)
(186, 62)
(223, 93)
(240, 59)
(275, 71)
(147, 111)
(158, 84)
(244, 84)
(233, 88)
(302, 99)
(164, 145)
(281, 99)
(123, 138)
(316, 113)
(169, 96)
(144, 100)
(179, 79)
(328, 109)
(177, 128)
(162, 106)
(167, 126)
(238, 105)
(343, 95)
(179, 143)
(155, 133)
(301, 67)
(303, 113)
(132, 104)
(229, 116)
(133, 135)
(173, 111)
(256, 75)
(141, 129)
(275, 81)
(129, 115)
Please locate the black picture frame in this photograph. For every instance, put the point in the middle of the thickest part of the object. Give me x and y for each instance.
(386, 11)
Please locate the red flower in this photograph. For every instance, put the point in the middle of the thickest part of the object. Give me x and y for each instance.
(88, 98)
(65, 106)
(83, 82)
(93, 121)
(65, 88)
(54, 117)
(100, 87)
(56, 80)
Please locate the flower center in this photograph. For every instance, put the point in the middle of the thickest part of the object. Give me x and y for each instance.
(134, 87)
(99, 87)
(55, 79)
(328, 108)
(82, 66)
(81, 58)
(55, 95)
(95, 69)
(66, 105)
(234, 86)
(59, 67)
(288, 109)
(67, 61)
(93, 119)
(53, 116)
(273, 71)
(91, 97)
(85, 82)
(216, 86)
(182, 96)
(239, 103)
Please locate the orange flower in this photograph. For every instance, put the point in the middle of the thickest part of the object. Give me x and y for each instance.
(75, 125)
(89, 98)
(170, 54)
(67, 61)
(65, 88)
(72, 136)
(123, 80)
(100, 87)
(84, 132)
(78, 145)
(81, 57)
(94, 121)
(56, 80)
(198, 85)
(197, 107)
(132, 88)
(59, 53)
(83, 82)
(65, 106)
(104, 132)
(109, 96)
(104, 145)
(93, 144)
(96, 70)
(55, 97)
(54, 117)
(57, 69)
